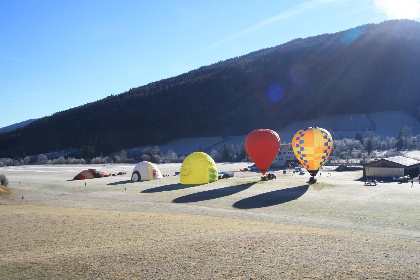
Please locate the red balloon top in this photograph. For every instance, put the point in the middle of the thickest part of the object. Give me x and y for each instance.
(262, 146)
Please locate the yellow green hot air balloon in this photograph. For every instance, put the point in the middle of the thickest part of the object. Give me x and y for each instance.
(312, 147)
(198, 168)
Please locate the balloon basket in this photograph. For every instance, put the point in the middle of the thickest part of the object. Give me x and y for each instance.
(269, 176)
(312, 180)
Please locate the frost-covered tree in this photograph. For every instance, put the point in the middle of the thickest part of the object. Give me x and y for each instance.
(390, 142)
(60, 160)
(404, 138)
(156, 158)
(359, 137)
(369, 145)
(148, 151)
(146, 157)
(100, 160)
(242, 152)
(26, 160)
(75, 161)
(232, 151)
(414, 143)
(156, 151)
(123, 157)
(214, 155)
(225, 153)
(42, 159)
(117, 159)
(172, 156)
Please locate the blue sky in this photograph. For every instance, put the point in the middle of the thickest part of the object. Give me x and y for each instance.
(56, 55)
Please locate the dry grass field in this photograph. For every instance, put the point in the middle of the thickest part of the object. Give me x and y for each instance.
(52, 227)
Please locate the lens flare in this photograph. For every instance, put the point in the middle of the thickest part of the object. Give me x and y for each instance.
(350, 36)
(275, 93)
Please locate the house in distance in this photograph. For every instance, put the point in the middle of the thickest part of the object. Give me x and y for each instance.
(285, 156)
(392, 167)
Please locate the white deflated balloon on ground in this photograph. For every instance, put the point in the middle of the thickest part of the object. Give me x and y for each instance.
(145, 171)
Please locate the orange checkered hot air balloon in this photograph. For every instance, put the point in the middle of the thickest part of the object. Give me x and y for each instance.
(312, 147)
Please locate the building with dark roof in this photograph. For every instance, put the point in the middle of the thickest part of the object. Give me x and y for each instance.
(392, 167)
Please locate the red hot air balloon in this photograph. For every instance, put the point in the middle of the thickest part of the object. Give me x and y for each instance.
(262, 146)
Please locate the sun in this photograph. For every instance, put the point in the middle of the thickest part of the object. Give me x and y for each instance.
(399, 9)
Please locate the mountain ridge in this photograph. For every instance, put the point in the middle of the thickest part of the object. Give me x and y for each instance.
(16, 125)
(371, 68)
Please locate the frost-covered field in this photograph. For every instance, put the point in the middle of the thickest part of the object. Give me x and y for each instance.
(111, 228)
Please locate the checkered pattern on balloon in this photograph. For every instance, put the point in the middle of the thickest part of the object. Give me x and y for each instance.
(312, 146)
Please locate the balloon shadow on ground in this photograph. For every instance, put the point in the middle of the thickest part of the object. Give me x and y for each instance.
(167, 188)
(121, 183)
(212, 194)
(271, 198)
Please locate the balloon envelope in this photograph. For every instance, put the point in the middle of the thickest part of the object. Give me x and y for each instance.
(90, 174)
(198, 168)
(262, 146)
(312, 147)
(146, 171)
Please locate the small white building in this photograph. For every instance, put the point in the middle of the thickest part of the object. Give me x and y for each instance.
(284, 156)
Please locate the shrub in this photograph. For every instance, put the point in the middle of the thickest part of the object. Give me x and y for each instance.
(75, 161)
(100, 160)
(59, 160)
(42, 159)
(3, 180)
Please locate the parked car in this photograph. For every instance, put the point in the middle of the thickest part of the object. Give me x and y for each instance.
(405, 178)
(370, 182)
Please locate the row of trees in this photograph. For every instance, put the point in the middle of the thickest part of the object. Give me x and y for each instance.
(230, 153)
(404, 141)
(360, 149)
(355, 151)
(152, 154)
(42, 159)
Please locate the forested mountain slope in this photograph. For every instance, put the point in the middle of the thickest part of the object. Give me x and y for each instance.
(367, 69)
